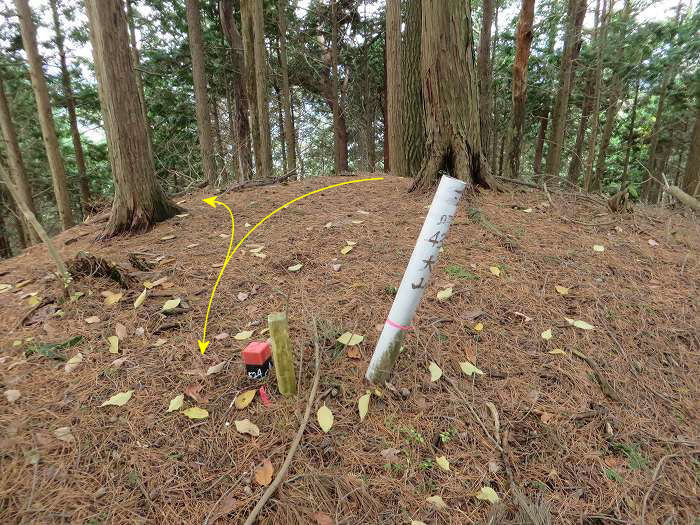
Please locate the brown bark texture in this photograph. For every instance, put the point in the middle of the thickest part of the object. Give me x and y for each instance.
(139, 201)
(413, 127)
(199, 78)
(450, 95)
(70, 107)
(630, 135)
(340, 130)
(16, 165)
(248, 40)
(691, 180)
(397, 160)
(575, 15)
(261, 87)
(48, 128)
(240, 96)
(289, 137)
(483, 66)
(514, 133)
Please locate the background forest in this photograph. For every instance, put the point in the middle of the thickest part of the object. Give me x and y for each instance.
(590, 94)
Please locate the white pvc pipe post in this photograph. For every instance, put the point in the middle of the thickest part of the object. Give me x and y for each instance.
(415, 278)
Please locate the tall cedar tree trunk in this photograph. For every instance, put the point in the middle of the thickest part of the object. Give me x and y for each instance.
(286, 96)
(514, 134)
(493, 141)
(280, 125)
(48, 128)
(393, 87)
(199, 78)
(240, 96)
(589, 77)
(340, 130)
(601, 50)
(261, 87)
(70, 107)
(575, 15)
(450, 96)
(616, 92)
(484, 71)
(232, 140)
(630, 134)
(691, 180)
(412, 111)
(5, 249)
(16, 166)
(367, 111)
(539, 143)
(385, 120)
(133, 48)
(216, 121)
(139, 201)
(248, 39)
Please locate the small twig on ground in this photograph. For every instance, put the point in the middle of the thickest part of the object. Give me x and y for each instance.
(606, 387)
(609, 223)
(519, 182)
(297, 439)
(654, 479)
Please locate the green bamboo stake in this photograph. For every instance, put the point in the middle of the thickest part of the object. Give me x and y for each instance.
(282, 356)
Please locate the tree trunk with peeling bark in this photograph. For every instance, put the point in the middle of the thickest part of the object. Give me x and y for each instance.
(248, 38)
(43, 103)
(691, 180)
(514, 133)
(450, 95)
(263, 102)
(139, 201)
(241, 129)
(201, 97)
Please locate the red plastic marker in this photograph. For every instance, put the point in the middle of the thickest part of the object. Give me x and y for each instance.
(263, 396)
(257, 357)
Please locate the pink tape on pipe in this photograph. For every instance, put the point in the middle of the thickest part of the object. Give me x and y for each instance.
(397, 325)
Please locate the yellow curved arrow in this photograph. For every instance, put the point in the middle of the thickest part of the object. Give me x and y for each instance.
(203, 343)
(211, 201)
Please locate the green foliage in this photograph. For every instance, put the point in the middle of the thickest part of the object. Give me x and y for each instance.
(459, 272)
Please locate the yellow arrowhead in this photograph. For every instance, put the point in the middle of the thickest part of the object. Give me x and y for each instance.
(211, 201)
(202, 345)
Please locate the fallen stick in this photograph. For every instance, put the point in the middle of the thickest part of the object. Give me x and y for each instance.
(688, 200)
(654, 479)
(297, 439)
(606, 387)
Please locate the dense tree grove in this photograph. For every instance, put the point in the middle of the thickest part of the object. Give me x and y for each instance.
(575, 94)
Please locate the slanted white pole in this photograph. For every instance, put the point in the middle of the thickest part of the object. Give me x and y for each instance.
(415, 278)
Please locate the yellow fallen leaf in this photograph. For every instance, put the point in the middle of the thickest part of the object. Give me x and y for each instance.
(346, 250)
(295, 268)
(435, 371)
(583, 325)
(167, 237)
(324, 416)
(196, 413)
(216, 368)
(437, 502)
(33, 300)
(444, 295)
(478, 327)
(119, 399)
(260, 255)
(598, 248)
(487, 494)
(363, 405)
(113, 298)
(113, 344)
(469, 369)
(244, 426)
(547, 334)
(92, 319)
(176, 403)
(350, 243)
(350, 339)
(495, 270)
(244, 399)
(557, 351)
(170, 305)
(141, 298)
(562, 290)
(242, 336)
(73, 362)
(443, 463)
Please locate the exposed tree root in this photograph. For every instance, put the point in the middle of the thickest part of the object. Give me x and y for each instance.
(88, 265)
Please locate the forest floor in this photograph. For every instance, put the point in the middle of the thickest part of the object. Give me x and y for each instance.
(613, 440)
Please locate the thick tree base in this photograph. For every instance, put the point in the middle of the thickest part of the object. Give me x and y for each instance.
(129, 220)
(460, 164)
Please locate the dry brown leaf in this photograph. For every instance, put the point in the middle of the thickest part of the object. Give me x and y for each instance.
(391, 455)
(120, 330)
(92, 319)
(546, 417)
(193, 391)
(263, 474)
(354, 353)
(322, 518)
